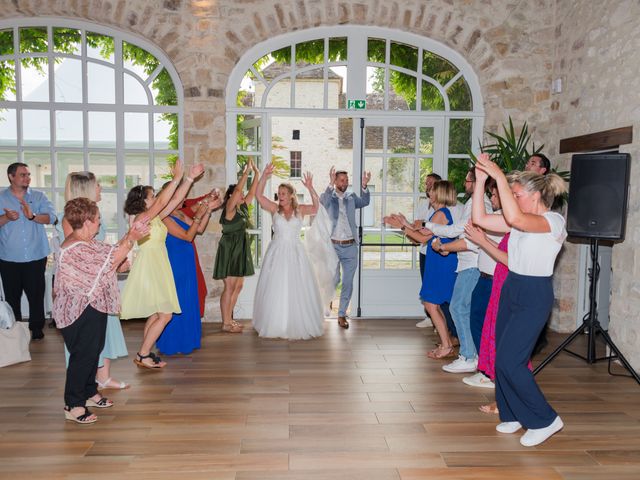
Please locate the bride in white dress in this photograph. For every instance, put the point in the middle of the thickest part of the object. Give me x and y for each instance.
(287, 303)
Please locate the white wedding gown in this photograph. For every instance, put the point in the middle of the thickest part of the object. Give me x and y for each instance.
(287, 303)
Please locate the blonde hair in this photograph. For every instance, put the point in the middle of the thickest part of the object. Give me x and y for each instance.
(80, 185)
(549, 186)
(294, 199)
(444, 193)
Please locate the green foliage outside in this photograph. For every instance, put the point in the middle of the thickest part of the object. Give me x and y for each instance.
(68, 41)
(511, 151)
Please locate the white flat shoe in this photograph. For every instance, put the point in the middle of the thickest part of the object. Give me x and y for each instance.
(508, 427)
(535, 436)
(105, 385)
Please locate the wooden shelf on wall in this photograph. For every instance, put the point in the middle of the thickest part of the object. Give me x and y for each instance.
(597, 141)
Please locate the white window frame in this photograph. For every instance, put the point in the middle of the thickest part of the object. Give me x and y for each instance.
(119, 108)
(356, 86)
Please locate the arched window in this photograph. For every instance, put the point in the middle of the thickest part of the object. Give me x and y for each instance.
(76, 96)
(393, 103)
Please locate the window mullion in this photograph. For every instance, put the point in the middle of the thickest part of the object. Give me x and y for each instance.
(52, 110)
(119, 113)
(325, 75)
(85, 101)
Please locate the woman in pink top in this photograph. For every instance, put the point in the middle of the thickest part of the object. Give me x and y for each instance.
(85, 291)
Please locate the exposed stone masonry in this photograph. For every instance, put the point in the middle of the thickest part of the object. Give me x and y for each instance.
(515, 47)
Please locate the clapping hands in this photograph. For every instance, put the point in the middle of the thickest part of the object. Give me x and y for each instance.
(11, 214)
(475, 234)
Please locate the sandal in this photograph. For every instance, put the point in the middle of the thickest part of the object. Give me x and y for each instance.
(112, 384)
(343, 322)
(157, 362)
(85, 419)
(232, 327)
(441, 353)
(104, 402)
(491, 408)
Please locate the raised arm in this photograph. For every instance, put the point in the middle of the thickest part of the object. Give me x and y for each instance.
(178, 197)
(325, 197)
(315, 201)
(479, 215)
(251, 194)
(165, 195)
(526, 222)
(236, 197)
(364, 198)
(267, 204)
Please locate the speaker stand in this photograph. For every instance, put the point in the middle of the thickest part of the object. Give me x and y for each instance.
(592, 326)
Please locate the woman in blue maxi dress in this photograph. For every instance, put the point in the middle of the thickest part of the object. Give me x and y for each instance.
(182, 334)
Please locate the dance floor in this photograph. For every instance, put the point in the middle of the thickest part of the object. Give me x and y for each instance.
(361, 404)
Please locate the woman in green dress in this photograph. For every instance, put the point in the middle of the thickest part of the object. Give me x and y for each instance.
(233, 259)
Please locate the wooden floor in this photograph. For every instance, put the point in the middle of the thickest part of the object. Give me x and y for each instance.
(359, 404)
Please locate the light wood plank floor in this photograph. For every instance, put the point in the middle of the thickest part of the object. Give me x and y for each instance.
(359, 404)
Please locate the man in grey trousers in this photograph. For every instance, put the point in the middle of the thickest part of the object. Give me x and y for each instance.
(341, 207)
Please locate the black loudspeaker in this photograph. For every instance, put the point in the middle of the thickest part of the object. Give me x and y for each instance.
(598, 195)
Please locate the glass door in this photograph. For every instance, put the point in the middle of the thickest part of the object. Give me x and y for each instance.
(399, 153)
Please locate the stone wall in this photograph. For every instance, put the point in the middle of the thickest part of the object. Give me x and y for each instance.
(509, 44)
(596, 58)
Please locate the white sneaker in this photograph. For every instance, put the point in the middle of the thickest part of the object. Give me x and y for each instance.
(424, 323)
(535, 436)
(508, 427)
(479, 380)
(461, 365)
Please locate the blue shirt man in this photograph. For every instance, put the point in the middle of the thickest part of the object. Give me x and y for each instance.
(23, 245)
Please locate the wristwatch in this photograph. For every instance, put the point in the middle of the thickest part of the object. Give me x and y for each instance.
(33, 215)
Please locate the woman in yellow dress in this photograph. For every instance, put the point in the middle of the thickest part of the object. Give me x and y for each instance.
(150, 291)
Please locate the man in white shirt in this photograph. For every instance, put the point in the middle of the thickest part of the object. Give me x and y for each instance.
(341, 207)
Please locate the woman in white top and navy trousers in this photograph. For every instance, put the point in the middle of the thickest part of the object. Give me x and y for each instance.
(536, 237)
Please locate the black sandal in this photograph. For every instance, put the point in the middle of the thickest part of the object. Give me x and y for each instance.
(82, 419)
(154, 358)
(104, 402)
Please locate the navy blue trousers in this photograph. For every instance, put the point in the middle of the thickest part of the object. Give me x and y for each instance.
(479, 304)
(525, 304)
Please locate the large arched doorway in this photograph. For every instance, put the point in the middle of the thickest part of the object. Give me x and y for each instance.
(389, 102)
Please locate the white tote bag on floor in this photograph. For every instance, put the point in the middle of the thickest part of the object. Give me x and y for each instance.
(14, 344)
(7, 318)
(14, 341)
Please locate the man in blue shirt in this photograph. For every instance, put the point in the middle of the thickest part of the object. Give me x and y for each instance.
(23, 245)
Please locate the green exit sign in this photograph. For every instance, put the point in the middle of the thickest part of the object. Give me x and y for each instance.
(356, 104)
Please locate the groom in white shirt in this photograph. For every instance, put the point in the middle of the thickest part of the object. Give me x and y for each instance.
(341, 207)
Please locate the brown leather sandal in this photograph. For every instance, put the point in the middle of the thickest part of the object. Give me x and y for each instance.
(441, 353)
(232, 327)
(491, 408)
